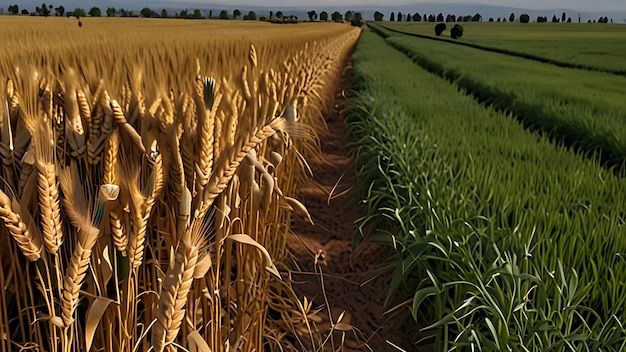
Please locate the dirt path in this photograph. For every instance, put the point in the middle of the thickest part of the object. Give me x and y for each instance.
(349, 282)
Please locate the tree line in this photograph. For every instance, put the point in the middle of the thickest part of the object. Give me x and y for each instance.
(523, 18)
(355, 18)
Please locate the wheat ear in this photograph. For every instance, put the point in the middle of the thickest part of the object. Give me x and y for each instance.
(178, 280)
(75, 272)
(230, 161)
(30, 245)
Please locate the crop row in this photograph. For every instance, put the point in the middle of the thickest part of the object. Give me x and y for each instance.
(564, 46)
(504, 240)
(579, 108)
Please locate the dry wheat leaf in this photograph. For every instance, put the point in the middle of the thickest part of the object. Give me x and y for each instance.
(196, 343)
(96, 311)
(245, 239)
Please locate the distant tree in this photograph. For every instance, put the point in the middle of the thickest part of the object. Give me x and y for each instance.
(524, 18)
(392, 17)
(251, 16)
(512, 17)
(357, 19)
(223, 15)
(490, 19)
(431, 18)
(95, 12)
(210, 13)
(417, 17)
(499, 20)
(503, 19)
(323, 16)
(336, 16)
(603, 20)
(164, 13)
(578, 18)
(271, 15)
(440, 17)
(563, 17)
(183, 14)
(59, 11)
(279, 15)
(197, 14)
(13, 9)
(378, 16)
(399, 17)
(79, 12)
(111, 11)
(25, 12)
(348, 16)
(45, 10)
(236, 14)
(312, 15)
(456, 32)
(477, 18)
(439, 28)
(569, 20)
(450, 18)
(408, 17)
(146, 12)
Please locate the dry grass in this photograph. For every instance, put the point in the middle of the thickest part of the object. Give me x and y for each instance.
(157, 159)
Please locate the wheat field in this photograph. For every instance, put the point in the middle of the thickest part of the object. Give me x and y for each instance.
(149, 169)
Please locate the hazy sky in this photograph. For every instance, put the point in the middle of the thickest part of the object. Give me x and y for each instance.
(579, 5)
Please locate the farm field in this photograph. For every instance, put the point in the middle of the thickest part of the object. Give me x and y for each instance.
(589, 44)
(580, 108)
(504, 239)
(150, 171)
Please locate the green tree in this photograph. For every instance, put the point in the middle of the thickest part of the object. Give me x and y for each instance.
(79, 12)
(348, 16)
(336, 16)
(279, 15)
(45, 10)
(251, 16)
(164, 13)
(197, 14)
(13, 9)
(146, 12)
(312, 15)
(357, 19)
(60, 11)
(392, 17)
(95, 12)
(236, 14)
(399, 17)
(417, 17)
(183, 14)
(378, 16)
(111, 11)
(224, 15)
(440, 17)
(25, 12)
(477, 18)
(524, 18)
(323, 16)
(512, 17)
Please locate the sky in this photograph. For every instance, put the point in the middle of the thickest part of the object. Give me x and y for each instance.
(579, 5)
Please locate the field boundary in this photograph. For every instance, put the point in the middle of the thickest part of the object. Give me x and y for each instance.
(509, 52)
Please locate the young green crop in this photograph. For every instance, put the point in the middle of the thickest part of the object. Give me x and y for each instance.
(589, 46)
(579, 108)
(504, 241)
